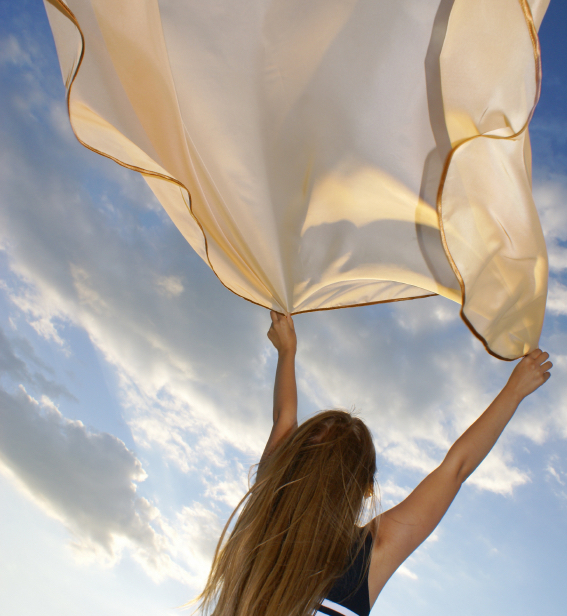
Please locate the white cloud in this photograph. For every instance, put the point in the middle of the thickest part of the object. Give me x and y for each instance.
(433, 538)
(498, 474)
(14, 351)
(85, 479)
(420, 386)
(557, 475)
(554, 411)
(11, 52)
(550, 196)
(193, 537)
(391, 492)
(406, 572)
(557, 298)
(88, 481)
(229, 487)
(43, 310)
(86, 294)
(410, 455)
(170, 286)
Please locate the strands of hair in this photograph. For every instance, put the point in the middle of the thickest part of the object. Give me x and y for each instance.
(299, 524)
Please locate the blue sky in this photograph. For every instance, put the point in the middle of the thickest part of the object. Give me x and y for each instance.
(136, 390)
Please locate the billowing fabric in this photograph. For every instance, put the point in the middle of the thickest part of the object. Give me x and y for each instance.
(320, 154)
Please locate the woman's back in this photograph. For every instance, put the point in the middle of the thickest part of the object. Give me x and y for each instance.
(349, 595)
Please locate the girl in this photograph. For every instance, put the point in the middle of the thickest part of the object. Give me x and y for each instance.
(296, 548)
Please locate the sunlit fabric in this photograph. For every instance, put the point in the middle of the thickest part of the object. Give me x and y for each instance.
(328, 153)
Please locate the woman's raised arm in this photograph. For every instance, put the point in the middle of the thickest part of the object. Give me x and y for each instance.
(282, 336)
(404, 527)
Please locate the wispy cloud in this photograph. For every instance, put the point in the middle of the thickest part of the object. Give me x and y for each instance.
(557, 298)
(86, 479)
(550, 195)
(416, 408)
(16, 367)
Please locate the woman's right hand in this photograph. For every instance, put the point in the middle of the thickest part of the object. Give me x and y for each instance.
(282, 333)
(529, 374)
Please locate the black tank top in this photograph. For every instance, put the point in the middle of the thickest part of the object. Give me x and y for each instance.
(340, 600)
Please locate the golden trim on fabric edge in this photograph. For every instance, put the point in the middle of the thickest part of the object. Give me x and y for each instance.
(381, 301)
(65, 10)
(537, 58)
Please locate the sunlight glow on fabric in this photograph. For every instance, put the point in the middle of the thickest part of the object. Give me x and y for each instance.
(329, 153)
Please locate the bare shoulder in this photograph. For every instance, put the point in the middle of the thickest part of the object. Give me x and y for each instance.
(381, 566)
(373, 527)
(388, 551)
(401, 529)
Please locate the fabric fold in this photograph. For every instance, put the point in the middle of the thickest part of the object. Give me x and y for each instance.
(329, 153)
(490, 226)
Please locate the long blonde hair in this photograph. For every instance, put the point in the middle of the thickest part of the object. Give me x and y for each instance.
(298, 527)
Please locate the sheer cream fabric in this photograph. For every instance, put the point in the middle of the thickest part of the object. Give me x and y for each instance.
(327, 153)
